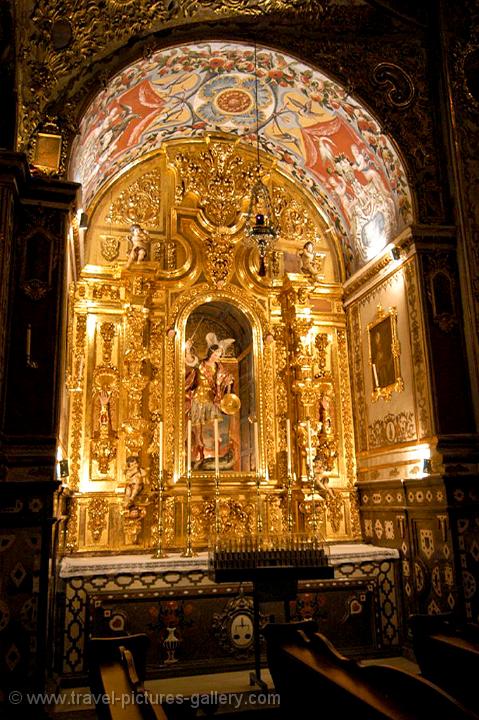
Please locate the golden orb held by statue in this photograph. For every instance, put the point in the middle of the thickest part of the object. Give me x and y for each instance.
(230, 404)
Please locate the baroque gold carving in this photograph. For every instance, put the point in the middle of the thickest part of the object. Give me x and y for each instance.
(168, 523)
(170, 402)
(270, 430)
(105, 393)
(76, 410)
(219, 177)
(346, 409)
(139, 203)
(281, 396)
(97, 513)
(219, 250)
(294, 217)
(313, 519)
(348, 431)
(107, 332)
(105, 292)
(334, 509)
(234, 294)
(135, 379)
(276, 522)
(110, 247)
(235, 518)
(71, 540)
(133, 523)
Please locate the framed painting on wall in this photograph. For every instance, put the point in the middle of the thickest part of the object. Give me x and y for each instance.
(384, 354)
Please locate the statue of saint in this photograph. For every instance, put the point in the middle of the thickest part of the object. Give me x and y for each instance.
(140, 242)
(207, 382)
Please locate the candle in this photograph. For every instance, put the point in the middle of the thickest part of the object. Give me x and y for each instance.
(310, 447)
(256, 446)
(188, 447)
(288, 444)
(217, 447)
(29, 340)
(375, 374)
(160, 448)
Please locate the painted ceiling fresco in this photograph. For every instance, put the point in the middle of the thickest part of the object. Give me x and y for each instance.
(321, 136)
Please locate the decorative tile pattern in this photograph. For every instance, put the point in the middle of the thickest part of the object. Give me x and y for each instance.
(138, 603)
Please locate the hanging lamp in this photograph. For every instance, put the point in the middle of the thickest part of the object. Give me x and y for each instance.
(260, 225)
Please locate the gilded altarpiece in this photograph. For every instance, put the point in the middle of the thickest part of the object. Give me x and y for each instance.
(169, 309)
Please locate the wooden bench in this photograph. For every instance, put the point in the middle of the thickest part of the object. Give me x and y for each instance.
(312, 677)
(448, 655)
(116, 667)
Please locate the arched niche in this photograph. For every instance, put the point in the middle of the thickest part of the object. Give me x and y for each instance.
(220, 367)
(229, 314)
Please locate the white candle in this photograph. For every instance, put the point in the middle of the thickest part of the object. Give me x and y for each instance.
(310, 447)
(256, 446)
(29, 340)
(217, 447)
(288, 444)
(160, 448)
(188, 447)
(375, 374)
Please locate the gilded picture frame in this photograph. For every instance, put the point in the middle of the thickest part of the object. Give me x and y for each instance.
(384, 354)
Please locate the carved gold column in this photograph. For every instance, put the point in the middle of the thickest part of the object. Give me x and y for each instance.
(134, 379)
(76, 386)
(311, 387)
(105, 390)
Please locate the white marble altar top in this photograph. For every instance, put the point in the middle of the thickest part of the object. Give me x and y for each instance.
(81, 565)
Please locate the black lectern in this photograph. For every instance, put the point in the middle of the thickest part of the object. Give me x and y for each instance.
(274, 568)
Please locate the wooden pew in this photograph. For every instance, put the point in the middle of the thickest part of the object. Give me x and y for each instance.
(313, 678)
(116, 667)
(448, 655)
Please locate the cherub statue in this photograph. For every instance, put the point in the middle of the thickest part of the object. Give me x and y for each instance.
(140, 241)
(311, 261)
(135, 480)
(321, 485)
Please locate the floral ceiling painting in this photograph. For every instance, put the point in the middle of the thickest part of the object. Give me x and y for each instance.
(320, 136)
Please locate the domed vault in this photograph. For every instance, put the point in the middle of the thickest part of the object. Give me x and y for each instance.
(321, 138)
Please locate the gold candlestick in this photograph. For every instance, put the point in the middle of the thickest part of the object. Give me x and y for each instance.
(259, 519)
(188, 551)
(160, 553)
(314, 520)
(289, 503)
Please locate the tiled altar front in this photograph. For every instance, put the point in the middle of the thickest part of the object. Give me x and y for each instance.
(197, 625)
